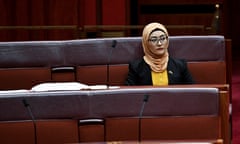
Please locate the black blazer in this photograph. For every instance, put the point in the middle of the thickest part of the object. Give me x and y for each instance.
(140, 73)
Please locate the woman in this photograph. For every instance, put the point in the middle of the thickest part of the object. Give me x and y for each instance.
(157, 67)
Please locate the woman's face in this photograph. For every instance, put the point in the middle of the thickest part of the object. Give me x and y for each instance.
(158, 43)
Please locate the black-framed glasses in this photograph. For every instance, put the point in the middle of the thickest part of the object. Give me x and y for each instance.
(156, 40)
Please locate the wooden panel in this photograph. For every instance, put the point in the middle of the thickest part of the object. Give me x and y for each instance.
(91, 132)
(118, 74)
(63, 74)
(163, 128)
(183, 17)
(225, 117)
(17, 132)
(21, 17)
(180, 2)
(120, 129)
(38, 18)
(88, 12)
(187, 127)
(23, 78)
(22, 20)
(92, 75)
(113, 12)
(5, 16)
(63, 77)
(208, 72)
(15, 13)
(60, 13)
(198, 24)
(57, 131)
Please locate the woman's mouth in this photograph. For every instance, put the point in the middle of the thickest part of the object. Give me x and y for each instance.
(160, 49)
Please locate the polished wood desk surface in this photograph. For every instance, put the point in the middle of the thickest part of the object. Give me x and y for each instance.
(217, 141)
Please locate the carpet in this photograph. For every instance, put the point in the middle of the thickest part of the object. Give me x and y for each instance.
(236, 102)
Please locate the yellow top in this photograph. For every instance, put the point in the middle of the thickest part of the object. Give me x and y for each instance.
(159, 78)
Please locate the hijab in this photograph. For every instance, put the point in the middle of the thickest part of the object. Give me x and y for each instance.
(157, 63)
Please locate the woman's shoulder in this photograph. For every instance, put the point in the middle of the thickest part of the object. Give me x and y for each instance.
(177, 63)
(137, 62)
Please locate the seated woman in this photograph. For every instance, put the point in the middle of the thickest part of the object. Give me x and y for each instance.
(157, 67)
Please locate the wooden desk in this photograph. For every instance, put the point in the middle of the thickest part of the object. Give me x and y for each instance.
(218, 141)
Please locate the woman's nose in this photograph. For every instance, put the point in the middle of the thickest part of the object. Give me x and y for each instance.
(159, 42)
